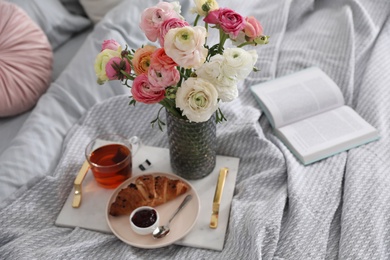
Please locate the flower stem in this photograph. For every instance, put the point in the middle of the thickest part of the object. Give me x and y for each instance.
(128, 76)
(196, 20)
(183, 73)
(170, 106)
(222, 39)
(246, 43)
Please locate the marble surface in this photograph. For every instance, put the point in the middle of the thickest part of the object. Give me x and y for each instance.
(91, 213)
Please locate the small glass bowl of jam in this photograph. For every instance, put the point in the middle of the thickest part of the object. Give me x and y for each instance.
(144, 220)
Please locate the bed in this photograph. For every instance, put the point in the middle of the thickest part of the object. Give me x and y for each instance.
(336, 208)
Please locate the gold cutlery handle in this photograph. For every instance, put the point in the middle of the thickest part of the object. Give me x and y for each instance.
(214, 221)
(78, 183)
(218, 196)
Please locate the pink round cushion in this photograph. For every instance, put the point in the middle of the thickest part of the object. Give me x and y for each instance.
(26, 60)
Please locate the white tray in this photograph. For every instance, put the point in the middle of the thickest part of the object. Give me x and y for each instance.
(91, 213)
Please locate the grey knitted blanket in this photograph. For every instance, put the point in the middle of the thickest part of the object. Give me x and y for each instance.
(337, 208)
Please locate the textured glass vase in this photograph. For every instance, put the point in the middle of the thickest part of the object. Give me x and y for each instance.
(192, 147)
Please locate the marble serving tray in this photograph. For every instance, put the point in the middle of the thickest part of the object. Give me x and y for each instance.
(91, 213)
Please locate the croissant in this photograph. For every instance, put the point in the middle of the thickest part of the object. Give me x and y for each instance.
(147, 190)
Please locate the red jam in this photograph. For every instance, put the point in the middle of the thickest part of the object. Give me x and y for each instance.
(144, 218)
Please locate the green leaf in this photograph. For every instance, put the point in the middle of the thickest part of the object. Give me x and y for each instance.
(219, 116)
(160, 123)
(132, 101)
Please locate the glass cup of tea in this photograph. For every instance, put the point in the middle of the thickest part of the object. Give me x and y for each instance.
(110, 158)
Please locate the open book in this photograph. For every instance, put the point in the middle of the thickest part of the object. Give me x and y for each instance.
(308, 113)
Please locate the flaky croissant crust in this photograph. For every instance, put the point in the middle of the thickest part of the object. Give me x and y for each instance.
(147, 190)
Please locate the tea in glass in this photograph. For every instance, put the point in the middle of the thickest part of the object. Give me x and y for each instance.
(110, 159)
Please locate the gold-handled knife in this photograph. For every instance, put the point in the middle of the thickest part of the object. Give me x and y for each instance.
(217, 197)
(78, 182)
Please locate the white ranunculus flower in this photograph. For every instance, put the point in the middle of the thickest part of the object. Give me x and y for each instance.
(213, 72)
(202, 7)
(198, 99)
(228, 91)
(239, 62)
(177, 7)
(185, 46)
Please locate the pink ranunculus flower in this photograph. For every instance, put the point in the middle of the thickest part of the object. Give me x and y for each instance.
(159, 59)
(101, 62)
(185, 46)
(111, 45)
(153, 17)
(163, 78)
(228, 20)
(170, 24)
(114, 67)
(253, 28)
(142, 91)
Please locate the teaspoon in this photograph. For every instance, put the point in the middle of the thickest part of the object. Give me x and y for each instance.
(162, 231)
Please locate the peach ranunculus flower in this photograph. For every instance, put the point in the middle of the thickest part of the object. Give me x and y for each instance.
(160, 59)
(142, 91)
(141, 59)
(202, 7)
(153, 17)
(185, 46)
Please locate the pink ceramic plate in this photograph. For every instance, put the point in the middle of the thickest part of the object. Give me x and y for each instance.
(180, 226)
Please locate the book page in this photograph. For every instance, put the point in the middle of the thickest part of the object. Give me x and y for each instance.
(298, 96)
(328, 133)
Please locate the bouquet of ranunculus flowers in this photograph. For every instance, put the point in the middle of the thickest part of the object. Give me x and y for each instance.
(184, 74)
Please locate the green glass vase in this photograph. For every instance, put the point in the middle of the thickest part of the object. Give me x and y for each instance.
(192, 146)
